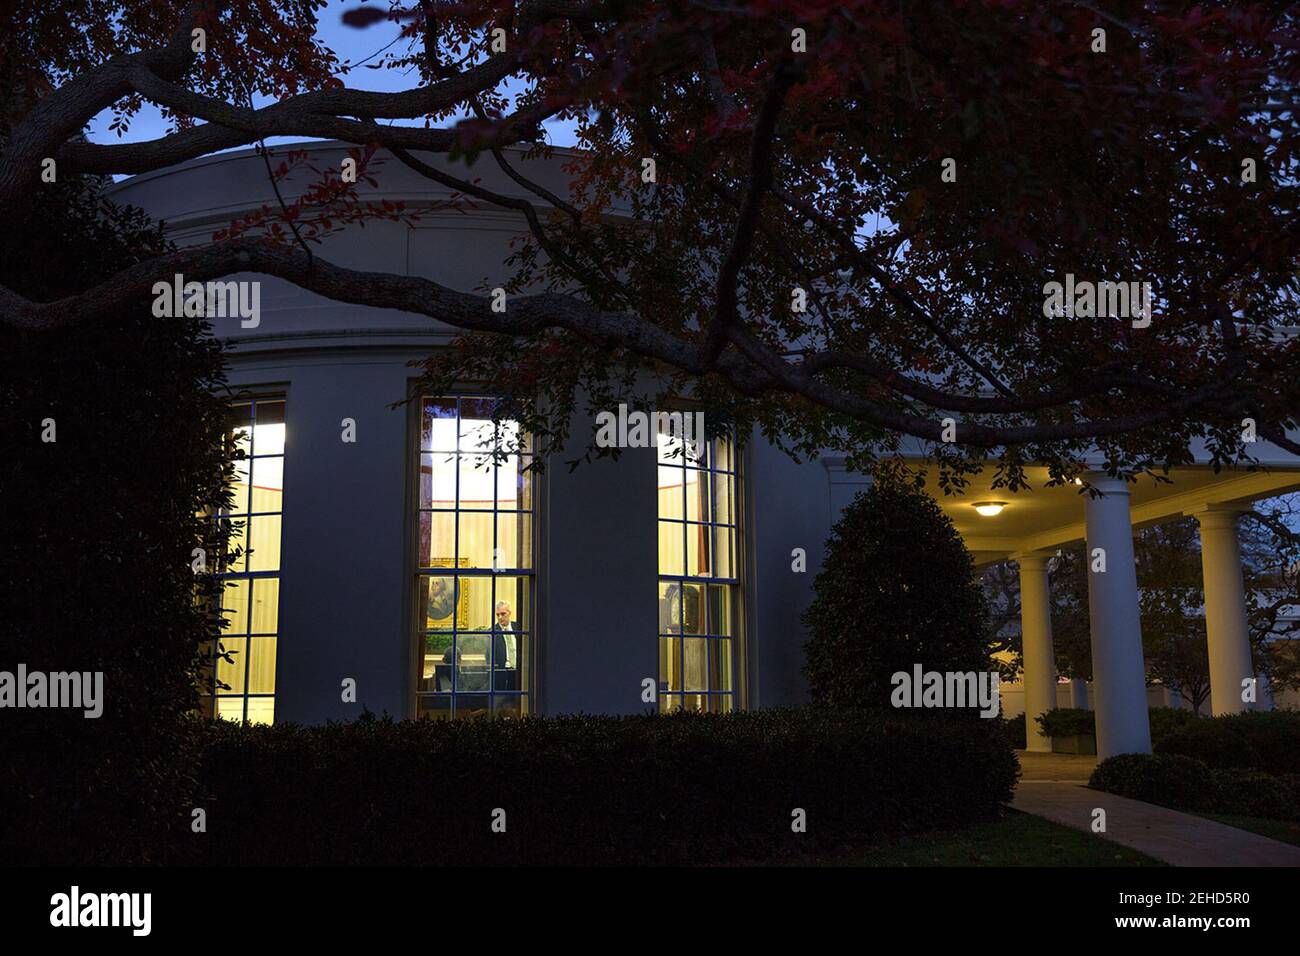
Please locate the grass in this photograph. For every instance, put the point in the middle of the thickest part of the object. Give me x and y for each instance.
(1282, 830)
(1018, 839)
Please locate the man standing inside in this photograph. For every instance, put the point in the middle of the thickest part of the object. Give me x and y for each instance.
(505, 650)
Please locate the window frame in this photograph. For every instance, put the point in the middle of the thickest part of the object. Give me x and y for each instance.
(735, 583)
(209, 696)
(416, 632)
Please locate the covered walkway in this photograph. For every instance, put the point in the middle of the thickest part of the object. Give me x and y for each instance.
(1029, 526)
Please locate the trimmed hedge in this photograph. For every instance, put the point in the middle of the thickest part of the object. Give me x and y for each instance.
(1067, 722)
(1185, 783)
(1166, 720)
(1263, 740)
(1014, 727)
(685, 788)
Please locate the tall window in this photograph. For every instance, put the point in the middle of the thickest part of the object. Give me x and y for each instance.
(474, 563)
(245, 661)
(699, 607)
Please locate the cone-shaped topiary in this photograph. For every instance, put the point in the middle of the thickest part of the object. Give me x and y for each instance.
(897, 588)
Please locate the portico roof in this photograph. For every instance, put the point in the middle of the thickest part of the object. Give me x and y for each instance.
(1043, 518)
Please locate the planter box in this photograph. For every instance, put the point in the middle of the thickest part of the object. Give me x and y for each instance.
(1078, 744)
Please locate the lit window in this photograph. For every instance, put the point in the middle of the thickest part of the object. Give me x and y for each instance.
(699, 610)
(244, 688)
(474, 561)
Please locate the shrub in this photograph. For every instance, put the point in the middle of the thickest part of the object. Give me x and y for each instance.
(897, 589)
(1185, 783)
(1014, 727)
(685, 788)
(1165, 720)
(1212, 742)
(1264, 740)
(1169, 780)
(99, 530)
(1067, 722)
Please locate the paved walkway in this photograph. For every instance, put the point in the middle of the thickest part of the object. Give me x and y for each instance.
(1052, 786)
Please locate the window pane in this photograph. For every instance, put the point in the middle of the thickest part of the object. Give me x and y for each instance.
(476, 603)
(720, 609)
(268, 484)
(261, 665)
(693, 609)
(476, 431)
(720, 665)
(266, 606)
(438, 425)
(723, 551)
(268, 433)
(439, 601)
(232, 671)
(670, 607)
(237, 545)
(697, 495)
(477, 477)
(723, 498)
(670, 657)
(510, 706)
(438, 480)
(473, 705)
(437, 546)
(509, 484)
(435, 708)
(671, 503)
(264, 543)
(514, 540)
(695, 668)
(515, 592)
(239, 487)
(261, 710)
(230, 708)
(474, 550)
(723, 455)
(234, 602)
(699, 548)
(672, 559)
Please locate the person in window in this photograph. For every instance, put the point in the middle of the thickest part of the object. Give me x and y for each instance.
(505, 649)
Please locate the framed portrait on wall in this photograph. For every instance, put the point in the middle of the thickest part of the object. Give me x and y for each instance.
(447, 604)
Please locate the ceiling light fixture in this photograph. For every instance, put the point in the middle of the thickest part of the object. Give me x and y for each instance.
(989, 508)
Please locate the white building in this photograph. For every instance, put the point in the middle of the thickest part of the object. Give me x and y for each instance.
(388, 560)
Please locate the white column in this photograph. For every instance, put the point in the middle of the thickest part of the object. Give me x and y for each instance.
(1118, 672)
(1225, 611)
(1079, 693)
(1039, 672)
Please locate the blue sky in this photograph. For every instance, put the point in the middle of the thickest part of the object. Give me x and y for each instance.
(351, 45)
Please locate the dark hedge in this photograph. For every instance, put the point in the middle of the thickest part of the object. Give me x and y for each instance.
(1262, 740)
(680, 789)
(1185, 783)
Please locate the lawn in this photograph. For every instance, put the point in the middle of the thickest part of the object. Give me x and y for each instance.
(1018, 839)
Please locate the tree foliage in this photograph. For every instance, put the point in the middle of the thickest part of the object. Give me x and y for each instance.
(114, 432)
(797, 146)
(897, 589)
